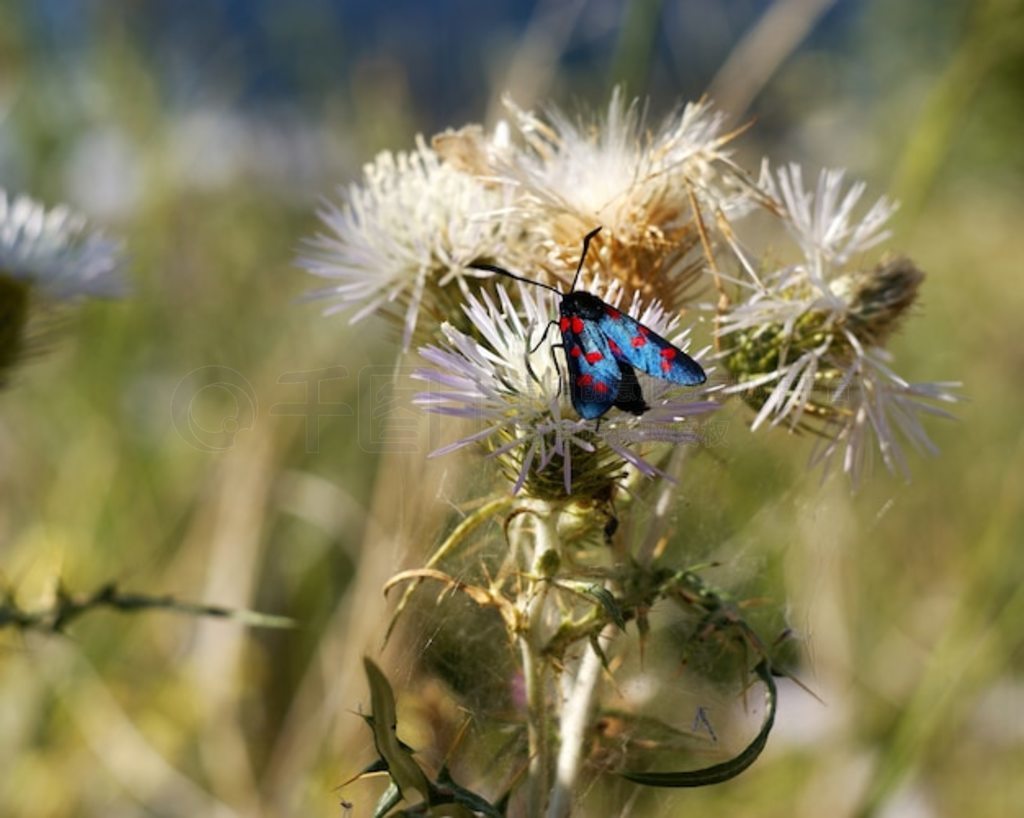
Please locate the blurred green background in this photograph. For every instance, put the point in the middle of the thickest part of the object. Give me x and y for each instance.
(212, 437)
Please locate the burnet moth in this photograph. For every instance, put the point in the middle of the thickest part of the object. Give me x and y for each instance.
(602, 346)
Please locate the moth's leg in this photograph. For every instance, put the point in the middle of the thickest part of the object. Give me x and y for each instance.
(558, 368)
(543, 336)
(533, 349)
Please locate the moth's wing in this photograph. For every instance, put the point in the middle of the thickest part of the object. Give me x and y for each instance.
(633, 343)
(594, 373)
(630, 398)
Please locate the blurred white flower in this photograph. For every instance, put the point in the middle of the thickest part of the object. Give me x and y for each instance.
(806, 348)
(508, 379)
(46, 256)
(105, 173)
(54, 253)
(401, 240)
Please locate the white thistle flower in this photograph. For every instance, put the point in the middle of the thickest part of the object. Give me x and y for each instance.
(614, 173)
(54, 253)
(401, 240)
(807, 346)
(508, 380)
(821, 221)
(882, 408)
(658, 194)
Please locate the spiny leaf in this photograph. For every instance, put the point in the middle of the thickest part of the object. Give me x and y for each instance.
(717, 773)
(607, 601)
(404, 771)
(466, 798)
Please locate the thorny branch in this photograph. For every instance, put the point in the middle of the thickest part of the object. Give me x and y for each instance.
(67, 607)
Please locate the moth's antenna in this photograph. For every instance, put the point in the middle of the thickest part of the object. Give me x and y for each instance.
(490, 268)
(583, 255)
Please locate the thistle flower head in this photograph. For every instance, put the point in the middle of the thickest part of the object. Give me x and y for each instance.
(805, 348)
(505, 377)
(401, 240)
(54, 252)
(46, 257)
(642, 187)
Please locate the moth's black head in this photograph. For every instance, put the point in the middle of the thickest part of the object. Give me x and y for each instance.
(583, 304)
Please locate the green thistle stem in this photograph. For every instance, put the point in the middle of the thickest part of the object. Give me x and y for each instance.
(580, 690)
(536, 538)
(537, 543)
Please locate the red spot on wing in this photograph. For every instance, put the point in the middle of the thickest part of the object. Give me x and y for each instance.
(612, 313)
(577, 324)
(614, 347)
(639, 340)
(668, 353)
(576, 352)
(666, 366)
(563, 324)
(584, 380)
(601, 386)
(594, 357)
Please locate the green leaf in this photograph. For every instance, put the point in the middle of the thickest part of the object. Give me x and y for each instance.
(467, 798)
(717, 773)
(607, 601)
(404, 771)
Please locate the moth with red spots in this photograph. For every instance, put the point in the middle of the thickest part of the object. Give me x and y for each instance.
(602, 346)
